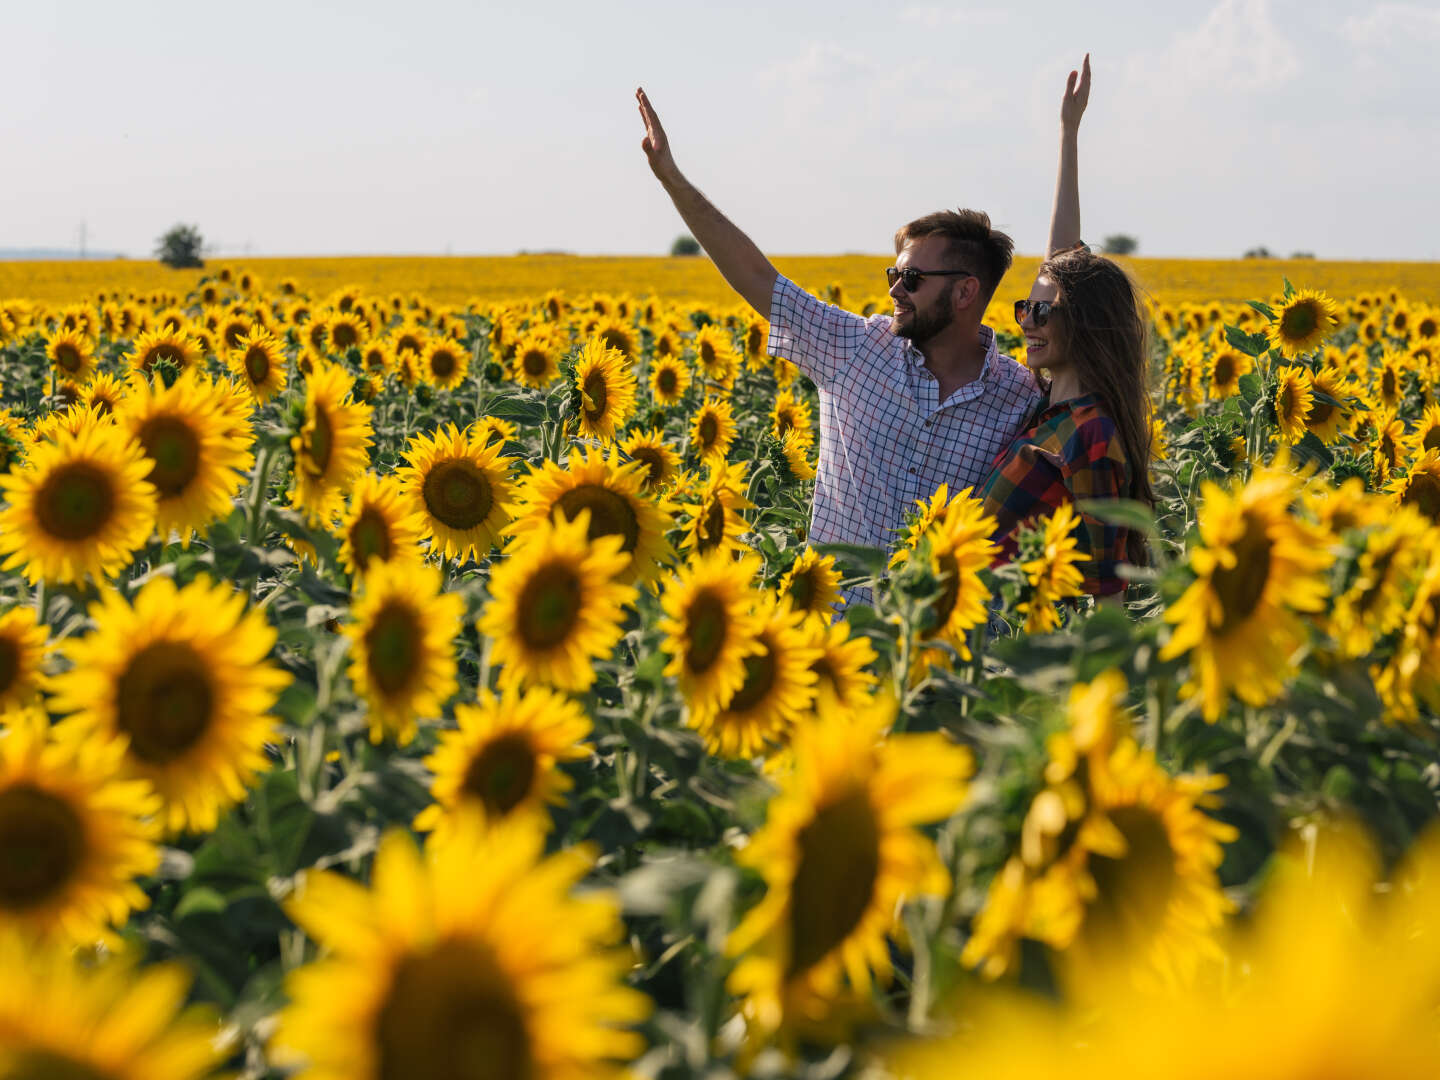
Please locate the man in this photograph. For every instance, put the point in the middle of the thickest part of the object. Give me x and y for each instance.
(907, 402)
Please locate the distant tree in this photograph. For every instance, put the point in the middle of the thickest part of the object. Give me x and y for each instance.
(180, 248)
(1261, 252)
(1302, 255)
(685, 244)
(1121, 244)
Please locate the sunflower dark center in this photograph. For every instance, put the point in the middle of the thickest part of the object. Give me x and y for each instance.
(344, 335)
(234, 332)
(42, 843)
(321, 443)
(549, 606)
(1423, 493)
(392, 646)
(43, 1065)
(452, 1013)
(1299, 321)
(370, 537)
(754, 339)
(164, 701)
(407, 343)
(598, 393)
(443, 364)
(75, 502)
(654, 465)
(712, 526)
(949, 595)
(834, 879)
(709, 430)
(257, 364)
(610, 513)
(668, 381)
(1389, 383)
(1225, 369)
(534, 362)
(68, 357)
(172, 445)
(1241, 587)
(803, 590)
(9, 664)
(707, 625)
(1134, 890)
(617, 340)
(319, 334)
(502, 774)
(458, 494)
(760, 674)
(707, 354)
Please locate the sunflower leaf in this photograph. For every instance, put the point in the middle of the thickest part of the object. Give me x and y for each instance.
(1127, 513)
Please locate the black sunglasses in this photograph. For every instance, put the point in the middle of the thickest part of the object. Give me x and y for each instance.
(1039, 310)
(910, 278)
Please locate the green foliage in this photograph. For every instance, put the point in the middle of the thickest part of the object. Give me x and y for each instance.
(181, 248)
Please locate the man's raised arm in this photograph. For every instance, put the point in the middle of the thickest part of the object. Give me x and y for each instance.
(735, 255)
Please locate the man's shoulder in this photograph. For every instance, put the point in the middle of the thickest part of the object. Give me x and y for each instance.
(1013, 380)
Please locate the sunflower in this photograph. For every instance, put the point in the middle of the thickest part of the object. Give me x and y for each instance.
(22, 650)
(80, 506)
(1389, 380)
(1293, 401)
(1426, 436)
(790, 413)
(380, 525)
(613, 492)
(709, 628)
(505, 758)
(715, 354)
(795, 457)
(1304, 320)
(462, 487)
(1388, 447)
(606, 389)
(74, 833)
(1053, 575)
(445, 363)
(410, 337)
(1374, 602)
(258, 361)
(71, 354)
(537, 360)
(557, 605)
(662, 464)
(712, 429)
(473, 961)
(1326, 419)
(401, 646)
(1420, 487)
(1412, 674)
(197, 457)
(715, 520)
(619, 336)
(841, 854)
(1227, 365)
(377, 358)
(813, 584)
(183, 677)
(959, 548)
(777, 691)
(114, 1020)
(332, 446)
(669, 379)
(344, 330)
(1257, 566)
(918, 523)
(104, 392)
(155, 346)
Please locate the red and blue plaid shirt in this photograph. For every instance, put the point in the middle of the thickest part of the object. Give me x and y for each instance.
(1068, 453)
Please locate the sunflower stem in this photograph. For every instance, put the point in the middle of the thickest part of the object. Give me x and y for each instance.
(41, 601)
(259, 504)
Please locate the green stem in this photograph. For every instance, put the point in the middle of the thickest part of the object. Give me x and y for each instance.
(259, 503)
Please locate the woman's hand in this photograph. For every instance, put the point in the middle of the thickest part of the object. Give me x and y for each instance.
(1077, 96)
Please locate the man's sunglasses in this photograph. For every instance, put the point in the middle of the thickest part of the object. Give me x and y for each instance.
(910, 278)
(1038, 310)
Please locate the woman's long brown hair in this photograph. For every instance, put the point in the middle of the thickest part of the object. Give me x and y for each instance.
(1107, 340)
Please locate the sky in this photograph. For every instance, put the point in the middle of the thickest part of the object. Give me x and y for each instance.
(316, 128)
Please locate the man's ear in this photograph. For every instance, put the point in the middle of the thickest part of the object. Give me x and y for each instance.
(967, 293)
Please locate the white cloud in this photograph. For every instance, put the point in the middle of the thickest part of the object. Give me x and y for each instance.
(1390, 24)
(1238, 48)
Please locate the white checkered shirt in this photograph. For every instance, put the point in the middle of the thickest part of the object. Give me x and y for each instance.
(885, 438)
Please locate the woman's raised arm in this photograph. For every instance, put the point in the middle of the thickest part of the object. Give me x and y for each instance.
(1065, 217)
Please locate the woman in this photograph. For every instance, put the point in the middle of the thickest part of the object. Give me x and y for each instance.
(1090, 439)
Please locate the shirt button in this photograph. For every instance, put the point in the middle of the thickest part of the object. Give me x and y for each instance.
(912, 470)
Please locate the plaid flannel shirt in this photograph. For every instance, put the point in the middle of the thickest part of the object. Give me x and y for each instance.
(1070, 452)
(886, 439)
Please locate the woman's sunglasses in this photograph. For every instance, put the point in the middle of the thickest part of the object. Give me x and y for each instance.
(910, 278)
(1038, 310)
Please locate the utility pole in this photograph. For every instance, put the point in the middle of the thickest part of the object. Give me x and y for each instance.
(82, 238)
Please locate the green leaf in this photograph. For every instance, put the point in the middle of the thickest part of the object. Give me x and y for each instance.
(517, 409)
(1249, 344)
(1263, 309)
(1250, 388)
(869, 560)
(1289, 289)
(201, 900)
(1310, 448)
(1127, 513)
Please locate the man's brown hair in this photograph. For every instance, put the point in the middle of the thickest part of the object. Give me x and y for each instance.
(972, 244)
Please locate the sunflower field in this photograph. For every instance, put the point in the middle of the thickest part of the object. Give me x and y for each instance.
(396, 688)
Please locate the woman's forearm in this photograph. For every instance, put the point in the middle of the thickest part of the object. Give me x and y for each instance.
(1065, 216)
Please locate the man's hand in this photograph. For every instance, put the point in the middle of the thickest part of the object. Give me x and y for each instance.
(1077, 96)
(655, 144)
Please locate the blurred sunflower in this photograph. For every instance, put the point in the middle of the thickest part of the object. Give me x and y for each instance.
(1387, 449)
(537, 360)
(812, 584)
(402, 653)
(79, 508)
(104, 392)
(613, 492)
(918, 523)
(1420, 486)
(380, 525)
(841, 854)
(155, 346)
(617, 335)
(61, 1019)
(1326, 419)
(198, 459)
(557, 605)
(71, 354)
(1426, 436)
(1293, 401)
(662, 464)
(715, 354)
(1373, 603)
(332, 446)
(709, 628)
(669, 379)
(1389, 380)
(377, 358)
(1305, 319)
(473, 961)
(22, 650)
(795, 456)
(712, 429)
(959, 547)
(1053, 575)
(790, 413)
(841, 679)
(505, 758)
(715, 520)
(183, 676)
(344, 330)
(1257, 566)
(258, 361)
(445, 364)
(463, 488)
(605, 386)
(74, 835)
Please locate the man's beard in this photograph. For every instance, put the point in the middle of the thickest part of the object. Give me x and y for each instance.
(927, 324)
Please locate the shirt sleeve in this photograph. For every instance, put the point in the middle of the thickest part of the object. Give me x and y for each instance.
(1093, 469)
(815, 336)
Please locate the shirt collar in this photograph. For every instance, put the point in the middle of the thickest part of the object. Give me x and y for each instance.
(916, 359)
